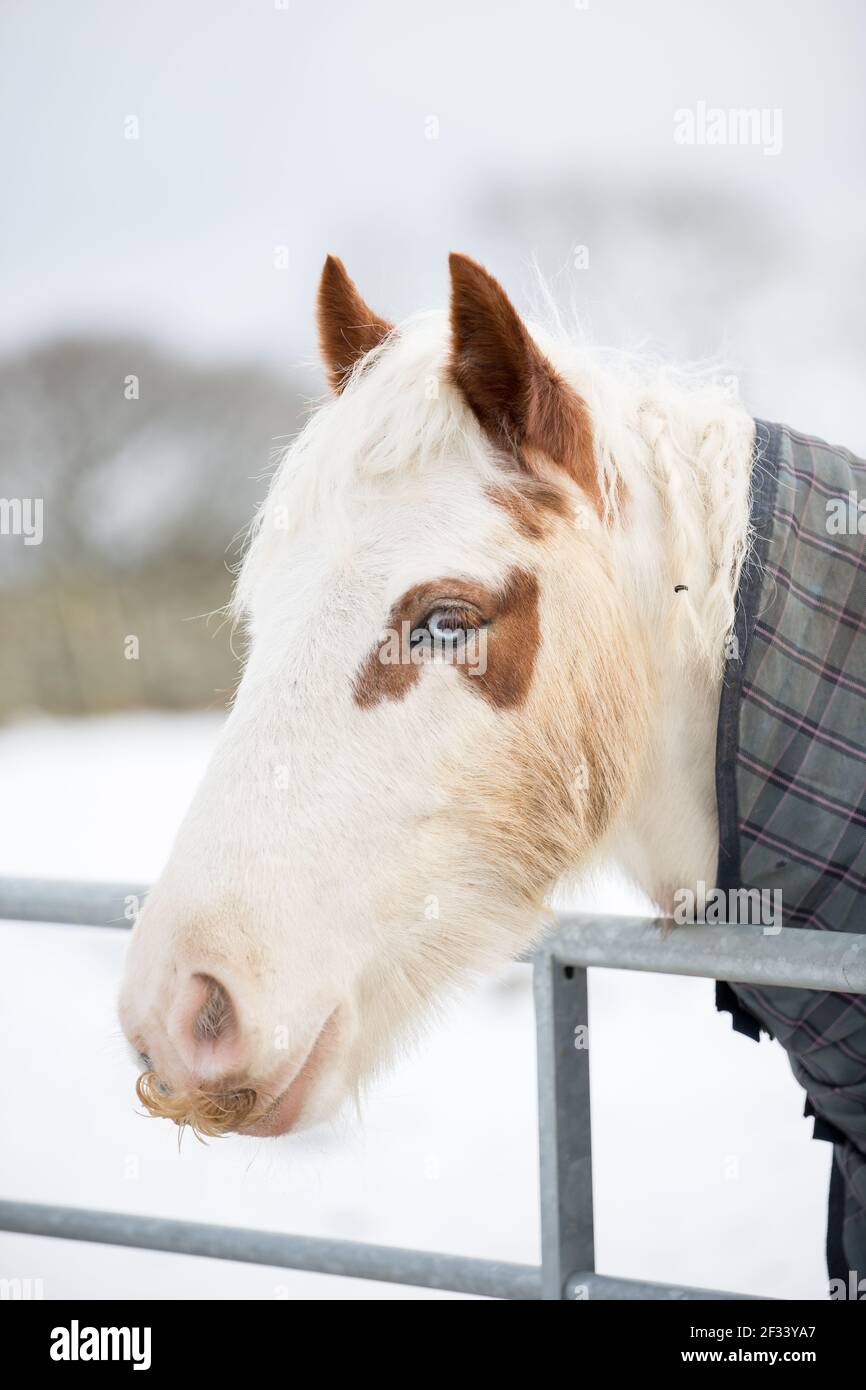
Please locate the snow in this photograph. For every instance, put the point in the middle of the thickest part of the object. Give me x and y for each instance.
(704, 1169)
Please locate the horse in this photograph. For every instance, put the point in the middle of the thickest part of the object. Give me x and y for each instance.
(487, 601)
(515, 608)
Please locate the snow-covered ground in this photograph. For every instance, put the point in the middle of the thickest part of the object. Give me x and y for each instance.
(704, 1169)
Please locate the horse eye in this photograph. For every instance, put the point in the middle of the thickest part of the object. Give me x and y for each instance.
(450, 624)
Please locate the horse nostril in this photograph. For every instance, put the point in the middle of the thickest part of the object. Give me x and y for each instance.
(216, 1019)
(206, 1029)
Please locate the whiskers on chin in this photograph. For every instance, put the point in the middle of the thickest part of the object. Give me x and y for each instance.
(209, 1114)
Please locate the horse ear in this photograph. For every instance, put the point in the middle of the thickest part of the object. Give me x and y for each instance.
(516, 394)
(348, 328)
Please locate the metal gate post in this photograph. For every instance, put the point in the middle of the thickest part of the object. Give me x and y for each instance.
(565, 1136)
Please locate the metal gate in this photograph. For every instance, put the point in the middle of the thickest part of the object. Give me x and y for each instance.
(740, 954)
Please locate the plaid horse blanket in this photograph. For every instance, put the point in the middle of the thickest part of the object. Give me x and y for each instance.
(791, 779)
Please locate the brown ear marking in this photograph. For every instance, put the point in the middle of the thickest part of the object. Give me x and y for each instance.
(516, 394)
(348, 328)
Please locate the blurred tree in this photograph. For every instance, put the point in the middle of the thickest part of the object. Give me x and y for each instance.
(149, 469)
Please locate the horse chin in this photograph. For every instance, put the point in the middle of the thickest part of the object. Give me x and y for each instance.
(285, 1114)
(309, 1097)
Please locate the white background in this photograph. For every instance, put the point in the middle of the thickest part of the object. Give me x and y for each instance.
(305, 127)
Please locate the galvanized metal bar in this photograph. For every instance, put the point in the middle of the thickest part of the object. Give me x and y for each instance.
(76, 904)
(744, 954)
(565, 1136)
(604, 1288)
(388, 1264)
(797, 957)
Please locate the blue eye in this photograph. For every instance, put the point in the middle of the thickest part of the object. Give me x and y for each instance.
(451, 624)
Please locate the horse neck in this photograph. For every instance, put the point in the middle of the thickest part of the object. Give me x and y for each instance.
(687, 523)
(667, 836)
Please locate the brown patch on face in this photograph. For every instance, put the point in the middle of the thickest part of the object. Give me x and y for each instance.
(515, 392)
(513, 643)
(348, 328)
(530, 503)
(508, 631)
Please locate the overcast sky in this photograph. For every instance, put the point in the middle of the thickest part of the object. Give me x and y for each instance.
(306, 127)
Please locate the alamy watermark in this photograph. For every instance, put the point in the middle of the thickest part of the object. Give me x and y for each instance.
(851, 1290)
(77, 1343)
(733, 125)
(846, 516)
(21, 1290)
(22, 516)
(412, 646)
(741, 907)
